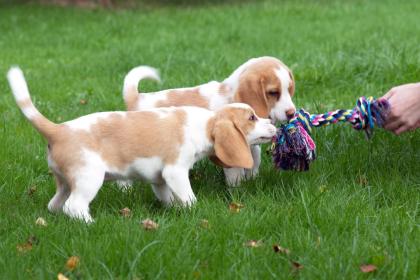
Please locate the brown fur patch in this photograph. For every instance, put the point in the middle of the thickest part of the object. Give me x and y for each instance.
(186, 97)
(131, 98)
(120, 140)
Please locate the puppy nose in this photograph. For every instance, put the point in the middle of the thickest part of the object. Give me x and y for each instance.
(290, 113)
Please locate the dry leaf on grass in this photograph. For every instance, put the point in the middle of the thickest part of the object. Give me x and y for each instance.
(367, 268)
(253, 243)
(31, 190)
(278, 249)
(125, 212)
(296, 266)
(24, 247)
(204, 223)
(41, 222)
(72, 262)
(149, 224)
(235, 207)
(61, 276)
(28, 245)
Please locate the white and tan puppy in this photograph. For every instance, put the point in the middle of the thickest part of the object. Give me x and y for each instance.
(158, 145)
(264, 83)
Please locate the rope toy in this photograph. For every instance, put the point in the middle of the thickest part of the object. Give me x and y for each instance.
(293, 148)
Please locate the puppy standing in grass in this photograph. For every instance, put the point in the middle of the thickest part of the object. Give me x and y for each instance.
(158, 145)
(264, 83)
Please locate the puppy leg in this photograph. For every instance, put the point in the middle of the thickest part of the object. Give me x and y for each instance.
(61, 195)
(256, 155)
(86, 185)
(177, 180)
(163, 193)
(234, 176)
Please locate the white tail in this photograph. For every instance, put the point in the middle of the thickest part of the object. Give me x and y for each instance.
(23, 99)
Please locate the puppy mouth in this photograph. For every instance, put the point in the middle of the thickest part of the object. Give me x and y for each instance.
(263, 139)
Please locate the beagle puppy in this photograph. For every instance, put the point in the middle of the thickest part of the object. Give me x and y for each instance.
(264, 83)
(158, 145)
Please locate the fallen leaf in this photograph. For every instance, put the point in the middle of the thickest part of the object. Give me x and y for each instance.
(60, 276)
(24, 247)
(296, 266)
(323, 189)
(83, 101)
(367, 268)
(149, 224)
(278, 249)
(125, 212)
(235, 207)
(72, 262)
(362, 180)
(28, 245)
(31, 190)
(41, 222)
(204, 223)
(253, 243)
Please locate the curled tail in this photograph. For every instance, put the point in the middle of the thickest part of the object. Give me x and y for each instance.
(131, 82)
(23, 99)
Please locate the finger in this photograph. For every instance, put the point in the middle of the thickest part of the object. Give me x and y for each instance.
(401, 129)
(393, 125)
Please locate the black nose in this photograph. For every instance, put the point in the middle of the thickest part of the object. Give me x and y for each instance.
(290, 113)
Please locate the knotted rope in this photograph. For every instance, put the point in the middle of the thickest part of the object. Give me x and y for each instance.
(293, 148)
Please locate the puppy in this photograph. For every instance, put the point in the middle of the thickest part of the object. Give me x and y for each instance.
(265, 83)
(158, 145)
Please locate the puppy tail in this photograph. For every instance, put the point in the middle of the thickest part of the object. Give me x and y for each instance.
(20, 91)
(131, 82)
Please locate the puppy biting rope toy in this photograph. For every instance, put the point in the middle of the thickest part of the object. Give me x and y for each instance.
(293, 148)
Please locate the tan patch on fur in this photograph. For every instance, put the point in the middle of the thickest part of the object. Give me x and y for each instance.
(25, 103)
(186, 97)
(119, 140)
(131, 98)
(255, 83)
(224, 90)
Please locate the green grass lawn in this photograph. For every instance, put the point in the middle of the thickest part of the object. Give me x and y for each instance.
(359, 203)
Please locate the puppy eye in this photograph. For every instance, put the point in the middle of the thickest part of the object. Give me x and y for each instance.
(253, 118)
(274, 93)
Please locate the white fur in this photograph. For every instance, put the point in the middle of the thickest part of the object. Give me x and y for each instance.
(133, 77)
(285, 103)
(209, 91)
(18, 84)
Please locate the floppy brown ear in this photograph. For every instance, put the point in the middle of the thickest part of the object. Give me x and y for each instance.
(217, 161)
(292, 85)
(251, 91)
(230, 145)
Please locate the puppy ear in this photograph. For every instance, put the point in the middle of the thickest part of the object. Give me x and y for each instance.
(251, 91)
(230, 145)
(292, 84)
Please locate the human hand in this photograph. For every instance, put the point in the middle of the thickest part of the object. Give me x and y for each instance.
(404, 114)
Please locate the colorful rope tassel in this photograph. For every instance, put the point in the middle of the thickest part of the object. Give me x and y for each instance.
(293, 147)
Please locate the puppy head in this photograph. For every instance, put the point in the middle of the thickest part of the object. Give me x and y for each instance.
(267, 85)
(235, 127)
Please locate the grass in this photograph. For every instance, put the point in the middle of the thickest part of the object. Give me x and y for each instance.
(358, 204)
